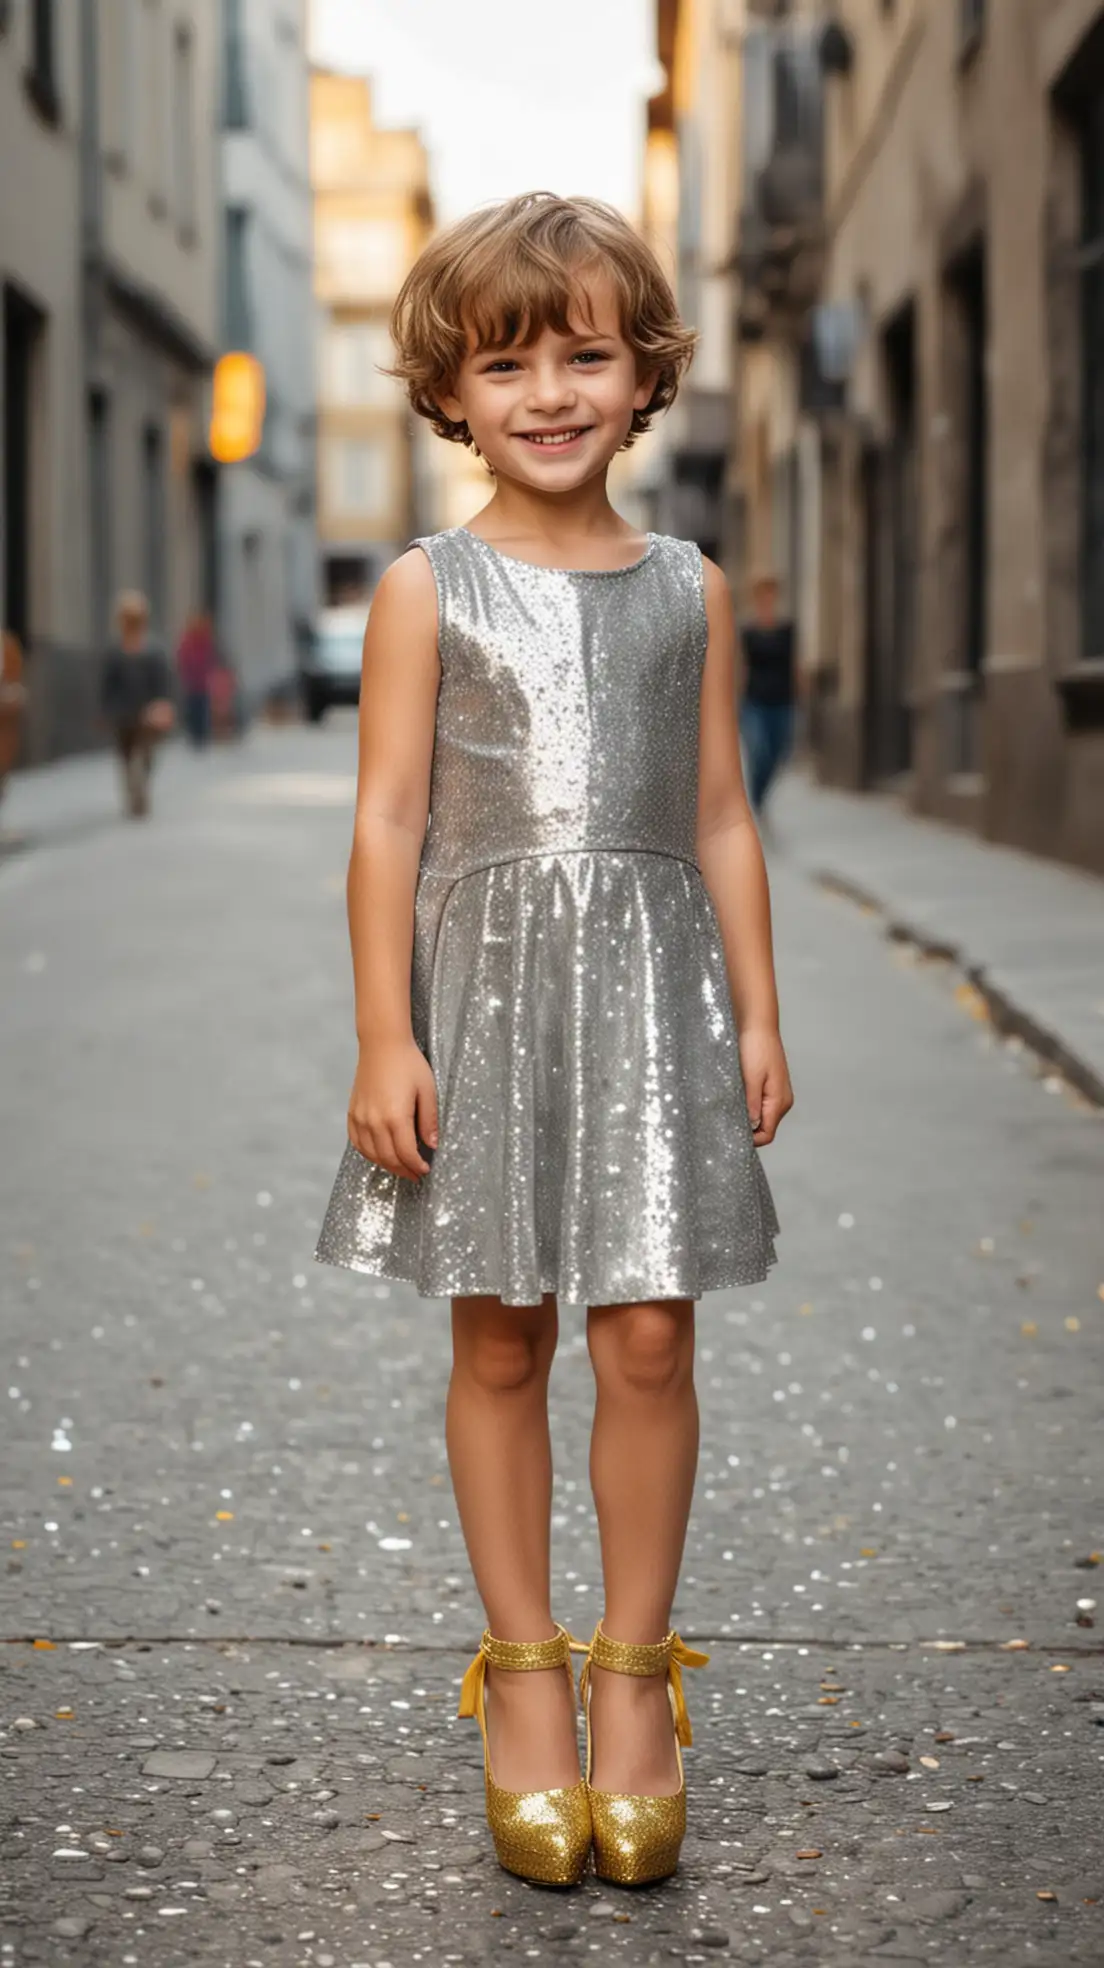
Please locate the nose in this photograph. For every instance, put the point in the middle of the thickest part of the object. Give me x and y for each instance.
(551, 388)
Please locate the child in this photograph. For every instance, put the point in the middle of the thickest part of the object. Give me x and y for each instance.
(550, 1100)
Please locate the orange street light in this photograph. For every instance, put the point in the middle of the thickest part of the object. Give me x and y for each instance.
(237, 407)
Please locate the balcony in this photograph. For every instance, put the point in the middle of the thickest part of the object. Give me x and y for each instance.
(780, 245)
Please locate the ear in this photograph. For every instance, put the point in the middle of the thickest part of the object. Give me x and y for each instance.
(645, 389)
(451, 408)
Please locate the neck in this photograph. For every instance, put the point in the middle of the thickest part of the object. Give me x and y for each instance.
(557, 519)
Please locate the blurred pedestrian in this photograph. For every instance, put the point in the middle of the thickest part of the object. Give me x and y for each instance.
(136, 697)
(569, 1052)
(196, 662)
(225, 695)
(767, 709)
(13, 702)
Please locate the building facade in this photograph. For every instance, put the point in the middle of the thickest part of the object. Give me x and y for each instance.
(44, 433)
(108, 265)
(267, 564)
(691, 180)
(373, 214)
(964, 475)
(915, 431)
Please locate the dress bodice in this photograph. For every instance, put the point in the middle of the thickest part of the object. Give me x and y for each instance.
(569, 704)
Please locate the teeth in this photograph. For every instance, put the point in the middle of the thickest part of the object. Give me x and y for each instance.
(559, 437)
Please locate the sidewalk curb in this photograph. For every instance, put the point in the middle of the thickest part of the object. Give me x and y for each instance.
(1009, 1017)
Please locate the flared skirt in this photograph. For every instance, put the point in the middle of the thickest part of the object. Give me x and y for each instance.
(594, 1138)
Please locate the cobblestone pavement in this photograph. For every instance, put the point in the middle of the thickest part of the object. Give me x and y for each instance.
(235, 1601)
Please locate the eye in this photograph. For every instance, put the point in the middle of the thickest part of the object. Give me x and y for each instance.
(500, 368)
(590, 356)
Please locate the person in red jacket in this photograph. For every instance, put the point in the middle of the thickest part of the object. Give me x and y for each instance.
(196, 660)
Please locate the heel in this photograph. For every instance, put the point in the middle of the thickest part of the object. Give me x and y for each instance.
(541, 1835)
(638, 1839)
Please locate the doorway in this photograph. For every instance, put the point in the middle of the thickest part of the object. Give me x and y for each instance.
(23, 328)
(891, 527)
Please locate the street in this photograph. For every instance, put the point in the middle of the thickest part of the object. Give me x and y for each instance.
(235, 1600)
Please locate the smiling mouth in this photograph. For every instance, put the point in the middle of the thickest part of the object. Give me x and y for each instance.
(551, 439)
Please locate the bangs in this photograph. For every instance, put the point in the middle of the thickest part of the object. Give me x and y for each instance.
(523, 299)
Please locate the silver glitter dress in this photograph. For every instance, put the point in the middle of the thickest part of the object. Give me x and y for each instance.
(568, 982)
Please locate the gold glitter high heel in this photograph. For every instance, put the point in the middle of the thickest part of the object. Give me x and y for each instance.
(637, 1839)
(542, 1835)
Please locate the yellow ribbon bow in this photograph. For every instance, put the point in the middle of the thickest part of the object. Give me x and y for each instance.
(682, 1656)
(471, 1687)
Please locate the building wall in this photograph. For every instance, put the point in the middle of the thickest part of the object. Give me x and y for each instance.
(153, 324)
(112, 239)
(372, 216)
(267, 563)
(39, 266)
(935, 152)
(690, 182)
(773, 472)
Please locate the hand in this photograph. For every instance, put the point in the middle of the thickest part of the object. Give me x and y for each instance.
(766, 1083)
(394, 1085)
(159, 715)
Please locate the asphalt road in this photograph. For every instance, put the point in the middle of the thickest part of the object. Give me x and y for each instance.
(235, 1593)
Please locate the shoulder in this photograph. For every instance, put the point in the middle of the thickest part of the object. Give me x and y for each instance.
(407, 584)
(718, 594)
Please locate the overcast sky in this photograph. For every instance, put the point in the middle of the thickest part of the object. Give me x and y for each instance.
(509, 95)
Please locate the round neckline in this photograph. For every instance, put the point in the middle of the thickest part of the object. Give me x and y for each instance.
(542, 567)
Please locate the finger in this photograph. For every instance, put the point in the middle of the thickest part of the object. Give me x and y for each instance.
(427, 1115)
(774, 1107)
(404, 1150)
(754, 1088)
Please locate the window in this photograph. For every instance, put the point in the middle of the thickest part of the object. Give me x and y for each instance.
(41, 75)
(353, 353)
(100, 513)
(362, 256)
(24, 331)
(152, 136)
(117, 60)
(237, 300)
(235, 106)
(153, 512)
(183, 123)
(1092, 342)
(971, 25)
(356, 477)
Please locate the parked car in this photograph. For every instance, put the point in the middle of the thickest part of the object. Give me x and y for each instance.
(331, 671)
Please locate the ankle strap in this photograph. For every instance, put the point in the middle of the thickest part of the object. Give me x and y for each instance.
(671, 1654)
(627, 1656)
(516, 1657)
(526, 1656)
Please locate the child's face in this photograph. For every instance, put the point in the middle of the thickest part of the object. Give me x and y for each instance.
(551, 416)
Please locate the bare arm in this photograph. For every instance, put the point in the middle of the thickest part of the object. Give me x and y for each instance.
(734, 871)
(398, 696)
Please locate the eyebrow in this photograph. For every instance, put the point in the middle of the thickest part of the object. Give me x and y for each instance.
(595, 335)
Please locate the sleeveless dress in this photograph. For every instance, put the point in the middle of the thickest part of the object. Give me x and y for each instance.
(568, 982)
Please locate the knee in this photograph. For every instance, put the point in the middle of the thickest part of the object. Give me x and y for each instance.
(504, 1358)
(643, 1349)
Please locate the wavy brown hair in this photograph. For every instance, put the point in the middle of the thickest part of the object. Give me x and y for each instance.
(509, 271)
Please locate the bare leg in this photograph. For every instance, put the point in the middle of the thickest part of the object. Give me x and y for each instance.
(496, 1428)
(643, 1458)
